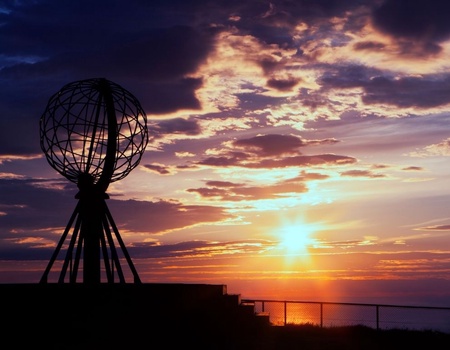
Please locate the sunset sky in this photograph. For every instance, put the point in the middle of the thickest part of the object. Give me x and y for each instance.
(298, 149)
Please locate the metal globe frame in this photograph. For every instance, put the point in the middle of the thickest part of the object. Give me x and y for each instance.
(93, 132)
(93, 126)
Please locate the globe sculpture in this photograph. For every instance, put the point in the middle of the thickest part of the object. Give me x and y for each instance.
(93, 132)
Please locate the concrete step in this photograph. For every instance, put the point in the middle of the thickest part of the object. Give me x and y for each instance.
(232, 299)
(249, 308)
(263, 318)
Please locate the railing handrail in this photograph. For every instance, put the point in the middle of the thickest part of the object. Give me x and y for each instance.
(344, 303)
(376, 307)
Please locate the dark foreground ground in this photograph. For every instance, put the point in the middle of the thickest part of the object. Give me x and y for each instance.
(161, 316)
(352, 338)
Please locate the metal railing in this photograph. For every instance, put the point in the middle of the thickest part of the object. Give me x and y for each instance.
(331, 314)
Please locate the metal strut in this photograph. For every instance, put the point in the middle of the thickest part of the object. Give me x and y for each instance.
(96, 229)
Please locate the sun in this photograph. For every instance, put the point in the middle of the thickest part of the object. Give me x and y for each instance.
(296, 239)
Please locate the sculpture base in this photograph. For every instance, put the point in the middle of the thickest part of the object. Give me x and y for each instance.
(126, 316)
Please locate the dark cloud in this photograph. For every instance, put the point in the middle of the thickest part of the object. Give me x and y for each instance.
(160, 216)
(25, 251)
(167, 97)
(149, 67)
(267, 192)
(174, 126)
(422, 92)
(329, 141)
(152, 250)
(270, 145)
(19, 137)
(58, 24)
(282, 84)
(313, 100)
(306, 176)
(157, 168)
(295, 161)
(413, 168)
(362, 173)
(198, 248)
(369, 45)
(419, 25)
(229, 159)
(304, 161)
(223, 184)
(230, 191)
(44, 207)
(269, 65)
(347, 76)
(379, 166)
(415, 19)
(274, 151)
(238, 192)
(213, 192)
(434, 228)
(398, 135)
(147, 47)
(272, 22)
(47, 209)
(150, 48)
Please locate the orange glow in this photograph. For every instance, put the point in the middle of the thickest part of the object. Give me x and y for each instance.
(295, 239)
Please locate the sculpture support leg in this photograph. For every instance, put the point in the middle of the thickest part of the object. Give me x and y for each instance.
(94, 241)
(58, 247)
(122, 246)
(91, 229)
(69, 254)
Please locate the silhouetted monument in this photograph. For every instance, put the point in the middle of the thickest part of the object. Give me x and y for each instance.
(93, 132)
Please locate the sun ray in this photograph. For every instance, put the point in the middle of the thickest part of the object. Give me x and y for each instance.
(295, 239)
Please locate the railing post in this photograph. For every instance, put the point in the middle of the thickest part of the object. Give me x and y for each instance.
(378, 317)
(285, 313)
(321, 315)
